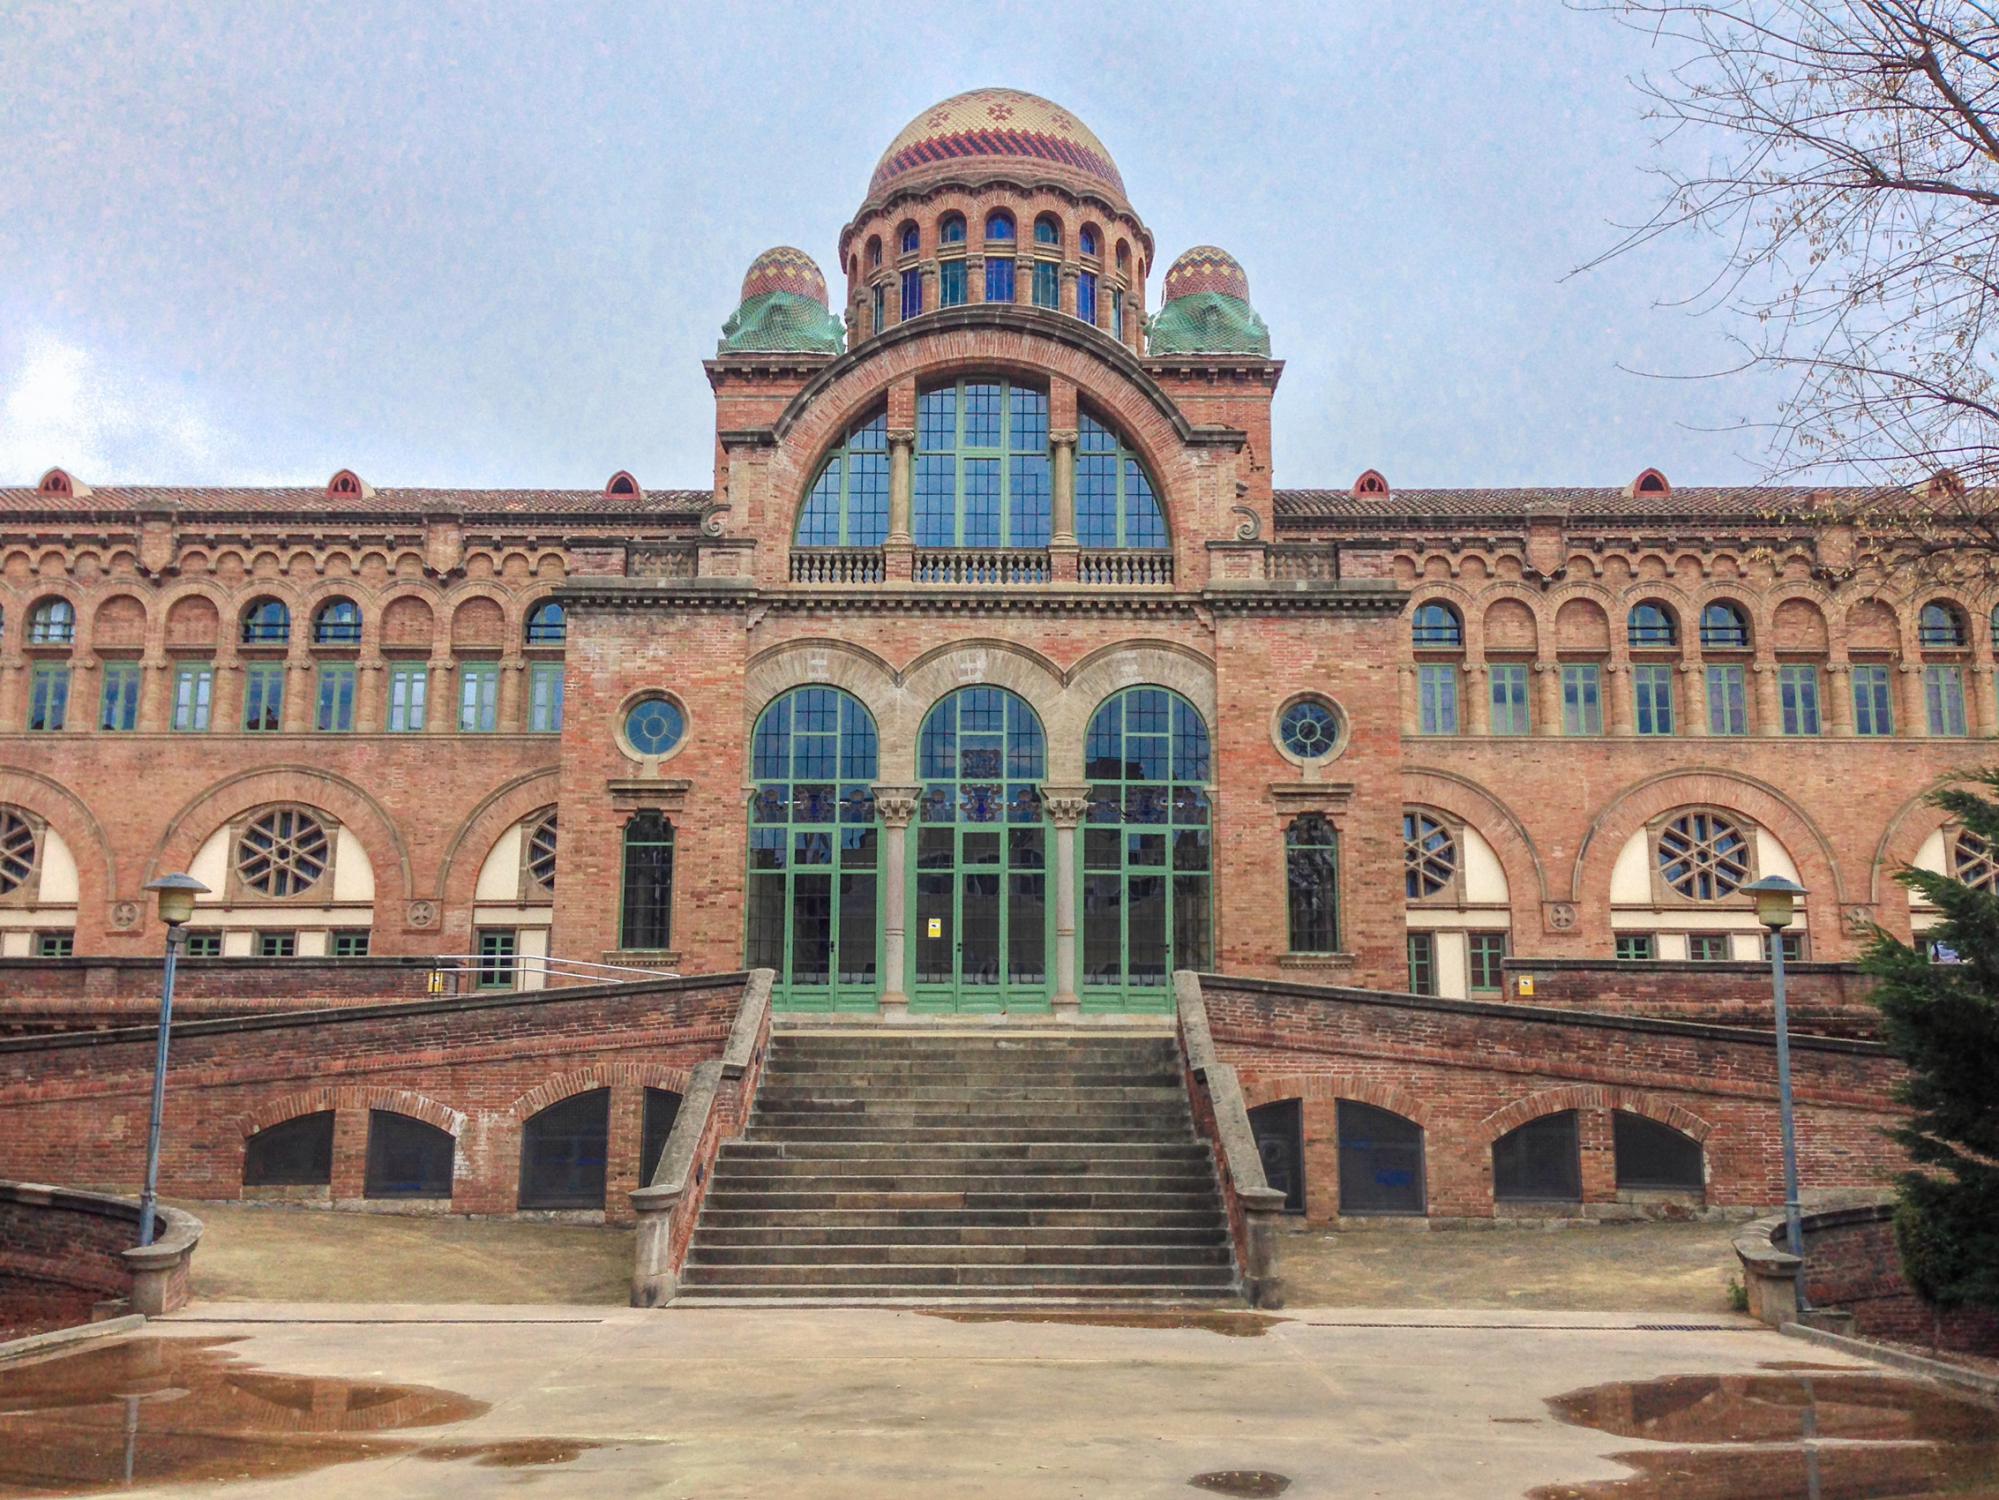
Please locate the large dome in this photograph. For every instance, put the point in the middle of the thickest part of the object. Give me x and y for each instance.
(998, 128)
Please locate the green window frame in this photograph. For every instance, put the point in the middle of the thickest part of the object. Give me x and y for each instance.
(1510, 713)
(1582, 698)
(1422, 949)
(878, 308)
(479, 697)
(1635, 947)
(202, 943)
(1047, 283)
(1116, 504)
(1798, 699)
(999, 278)
(334, 713)
(1485, 953)
(1147, 850)
(545, 698)
(409, 694)
(1727, 699)
(645, 896)
(1873, 701)
(194, 696)
(984, 477)
(1710, 947)
(1652, 699)
(951, 284)
(984, 920)
(52, 944)
(48, 697)
(350, 942)
(118, 697)
(498, 948)
(1437, 697)
(1312, 885)
(1117, 313)
(1943, 701)
(277, 945)
(814, 910)
(847, 505)
(263, 697)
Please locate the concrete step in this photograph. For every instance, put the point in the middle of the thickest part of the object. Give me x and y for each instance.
(1047, 1170)
(1076, 1297)
(873, 1079)
(1108, 1153)
(726, 1197)
(929, 1183)
(900, 1137)
(779, 1094)
(1078, 1239)
(959, 1116)
(952, 1216)
(835, 1273)
(708, 1253)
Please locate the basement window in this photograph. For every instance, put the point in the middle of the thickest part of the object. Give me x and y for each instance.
(293, 1153)
(1541, 1162)
(407, 1157)
(563, 1152)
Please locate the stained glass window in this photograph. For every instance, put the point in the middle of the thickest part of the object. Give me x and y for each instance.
(1312, 878)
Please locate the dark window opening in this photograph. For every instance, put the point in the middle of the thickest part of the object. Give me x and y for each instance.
(1381, 1161)
(1539, 1162)
(661, 1110)
(1422, 963)
(1651, 1155)
(293, 1153)
(1280, 1140)
(563, 1152)
(407, 1158)
(647, 916)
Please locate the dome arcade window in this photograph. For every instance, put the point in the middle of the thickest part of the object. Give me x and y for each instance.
(283, 852)
(874, 252)
(540, 855)
(1724, 627)
(1703, 856)
(1942, 627)
(52, 623)
(999, 226)
(1652, 624)
(1429, 855)
(910, 237)
(20, 848)
(951, 230)
(1047, 230)
(1973, 861)
(338, 623)
(1089, 241)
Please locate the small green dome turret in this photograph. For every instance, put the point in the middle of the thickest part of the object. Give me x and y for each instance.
(783, 309)
(1207, 308)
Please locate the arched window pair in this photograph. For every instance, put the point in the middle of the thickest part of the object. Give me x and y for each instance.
(1541, 1161)
(1380, 1156)
(566, 1148)
(407, 1157)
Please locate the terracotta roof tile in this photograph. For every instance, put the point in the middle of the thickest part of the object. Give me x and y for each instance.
(583, 505)
(1304, 508)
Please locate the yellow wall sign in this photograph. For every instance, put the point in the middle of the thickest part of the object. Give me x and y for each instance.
(936, 928)
(1526, 984)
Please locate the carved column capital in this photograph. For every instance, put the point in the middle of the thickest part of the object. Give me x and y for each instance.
(1067, 805)
(896, 805)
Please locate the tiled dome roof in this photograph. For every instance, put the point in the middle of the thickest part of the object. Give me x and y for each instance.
(1206, 269)
(999, 128)
(783, 268)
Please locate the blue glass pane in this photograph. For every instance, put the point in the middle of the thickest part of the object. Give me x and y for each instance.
(1086, 297)
(1030, 505)
(1096, 499)
(1144, 526)
(982, 502)
(1047, 232)
(871, 436)
(654, 726)
(1190, 743)
(936, 521)
(1029, 421)
(999, 227)
(952, 231)
(1309, 730)
(999, 280)
(982, 416)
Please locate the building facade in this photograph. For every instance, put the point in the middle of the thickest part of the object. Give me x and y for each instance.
(992, 672)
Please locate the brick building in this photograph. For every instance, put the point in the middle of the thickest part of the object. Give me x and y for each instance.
(991, 672)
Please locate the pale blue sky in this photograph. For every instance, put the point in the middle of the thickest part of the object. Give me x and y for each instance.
(489, 244)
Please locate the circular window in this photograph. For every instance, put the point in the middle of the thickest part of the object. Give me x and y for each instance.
(541, 853)
(1309, 729)
(283, 852)
(1972, 861)
(653, 726)
(1703, 856)
(17, 850)
(1429, 855)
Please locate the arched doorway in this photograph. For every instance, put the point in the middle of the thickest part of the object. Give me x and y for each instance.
(814, 914)
(980, 876)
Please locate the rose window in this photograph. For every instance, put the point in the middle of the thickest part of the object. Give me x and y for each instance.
(283, 852)
(541, 853)
(1972, 861)
(1703, 856)
(1429, 855)
(1309, 729)
(17, 850)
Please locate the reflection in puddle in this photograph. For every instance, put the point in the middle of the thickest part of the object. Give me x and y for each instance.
(523, 1453)
(1238, 1325)
(171, 1410)
(1252, 1482)
(1765, 1435)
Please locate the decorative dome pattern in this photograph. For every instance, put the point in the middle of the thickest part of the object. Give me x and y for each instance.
(784, 268)
(997, 126)
(1206, 269)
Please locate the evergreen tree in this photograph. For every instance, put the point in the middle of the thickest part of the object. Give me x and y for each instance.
(1942, 1021)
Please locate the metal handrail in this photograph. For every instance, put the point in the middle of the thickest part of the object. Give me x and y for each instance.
(579, 969)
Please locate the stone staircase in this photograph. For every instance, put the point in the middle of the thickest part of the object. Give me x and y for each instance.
(1013, 1166)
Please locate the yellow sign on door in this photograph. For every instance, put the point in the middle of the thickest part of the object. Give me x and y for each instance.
(936, 928)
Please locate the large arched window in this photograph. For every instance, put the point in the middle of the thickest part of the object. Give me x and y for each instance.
(982, 467)
(848, 504)
(563, 1153)
(981, 867)
(814, 908)
(1147, 847)
(1115, 503)
(646, 910)
(1312, 881)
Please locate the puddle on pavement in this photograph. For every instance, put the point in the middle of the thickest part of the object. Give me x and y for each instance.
(149, 1411)
(1764, 1435)
(526, 1453)
(1236, 1325)
(1242, 1482)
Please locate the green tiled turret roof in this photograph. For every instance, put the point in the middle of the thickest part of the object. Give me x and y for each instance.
(782, 323)
(1207, 323)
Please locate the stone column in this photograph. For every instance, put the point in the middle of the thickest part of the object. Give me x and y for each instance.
(371, 693)
(298, 712)
(225, 704)
(1067, 806)
(80, 713)
(156, 693)
(898, 549)
(1062, 545)
(513, 679)
(440, 697)
(896, 807)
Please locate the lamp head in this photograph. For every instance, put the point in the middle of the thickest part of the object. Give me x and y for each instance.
(1776, 900)
(176, 896)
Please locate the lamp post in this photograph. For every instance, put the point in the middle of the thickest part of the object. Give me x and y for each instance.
(176, 896)
(1776, 899)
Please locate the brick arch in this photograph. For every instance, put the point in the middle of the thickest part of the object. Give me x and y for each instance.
(936, 674)
(1464, 600)
(1139, 663)
(1031, 343)
(316, 1100)
(1498, 825)
(598, 1075)
(501, 808)
(1768, 602)
(227, 621)
(310, 786)
(1903, 834)
(1631, 809)
(97, 882)
(94, 605)
(853, 669)
(1271, 1088)
(1585, 1096)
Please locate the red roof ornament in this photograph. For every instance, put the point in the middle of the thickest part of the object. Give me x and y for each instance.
(1371, 486)
(347, 485)
(1651, 482)
(622, 483)
(62, 482)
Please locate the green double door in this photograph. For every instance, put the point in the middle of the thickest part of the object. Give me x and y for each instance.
(982, 928)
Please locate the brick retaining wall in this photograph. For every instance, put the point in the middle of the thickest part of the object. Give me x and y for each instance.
(1852, 1265)
(1823, 999)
